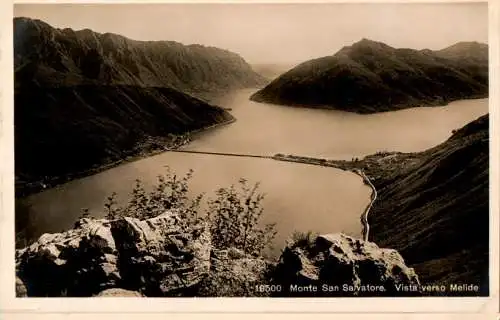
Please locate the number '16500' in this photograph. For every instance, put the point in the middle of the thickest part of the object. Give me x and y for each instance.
(268, 288)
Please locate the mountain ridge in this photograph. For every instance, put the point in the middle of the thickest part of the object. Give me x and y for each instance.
(370, 76)
(65, 57)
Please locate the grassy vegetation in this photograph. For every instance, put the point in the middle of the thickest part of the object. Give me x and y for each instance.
(303, 239)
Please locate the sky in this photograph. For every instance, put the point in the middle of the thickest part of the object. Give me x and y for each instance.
(276, 33)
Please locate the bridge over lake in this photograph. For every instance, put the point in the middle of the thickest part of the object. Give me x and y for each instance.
(228, 154)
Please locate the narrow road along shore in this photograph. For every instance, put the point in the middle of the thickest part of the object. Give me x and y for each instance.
(373, 197)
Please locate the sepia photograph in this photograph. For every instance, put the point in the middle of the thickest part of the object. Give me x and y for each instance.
(268, 150)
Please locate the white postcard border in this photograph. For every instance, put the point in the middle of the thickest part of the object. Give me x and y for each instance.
(29, 307)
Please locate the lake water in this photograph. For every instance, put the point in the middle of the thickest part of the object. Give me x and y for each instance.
(298, 197)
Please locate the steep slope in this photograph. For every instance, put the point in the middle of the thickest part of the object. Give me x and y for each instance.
(61, 57)
(370, 77)
(84, 99)
(66, 130)
(435, 210)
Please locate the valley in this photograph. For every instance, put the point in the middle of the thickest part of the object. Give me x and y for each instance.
(376, 149)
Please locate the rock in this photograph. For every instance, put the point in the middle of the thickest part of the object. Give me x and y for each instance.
(79, 262)
(235, 253)
(339, 265)
(234, 274)
(170, 256)
(21, 290)
(118, 292)
(162, 256)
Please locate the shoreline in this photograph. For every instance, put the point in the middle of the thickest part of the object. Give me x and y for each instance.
(355, 167)
(373, 197)
(434, 104)
(375, 170)
(337, 164)
(38, 186)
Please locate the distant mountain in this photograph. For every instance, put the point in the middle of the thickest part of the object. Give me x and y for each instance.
(84, 99)
(434, 209)
(54, 57)
(371, 76)
(474, 51)
(269, 70)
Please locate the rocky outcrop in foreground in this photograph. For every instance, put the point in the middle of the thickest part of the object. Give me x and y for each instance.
(165, 256)
(160, 256)
(339, 265)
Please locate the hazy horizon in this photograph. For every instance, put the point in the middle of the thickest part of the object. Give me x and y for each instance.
(276, 33)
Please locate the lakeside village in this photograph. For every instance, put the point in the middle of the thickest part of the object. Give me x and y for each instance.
(349, 288)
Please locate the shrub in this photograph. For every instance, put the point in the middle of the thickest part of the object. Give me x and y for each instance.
(112, 211)
(234, 215)
(170, 192)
